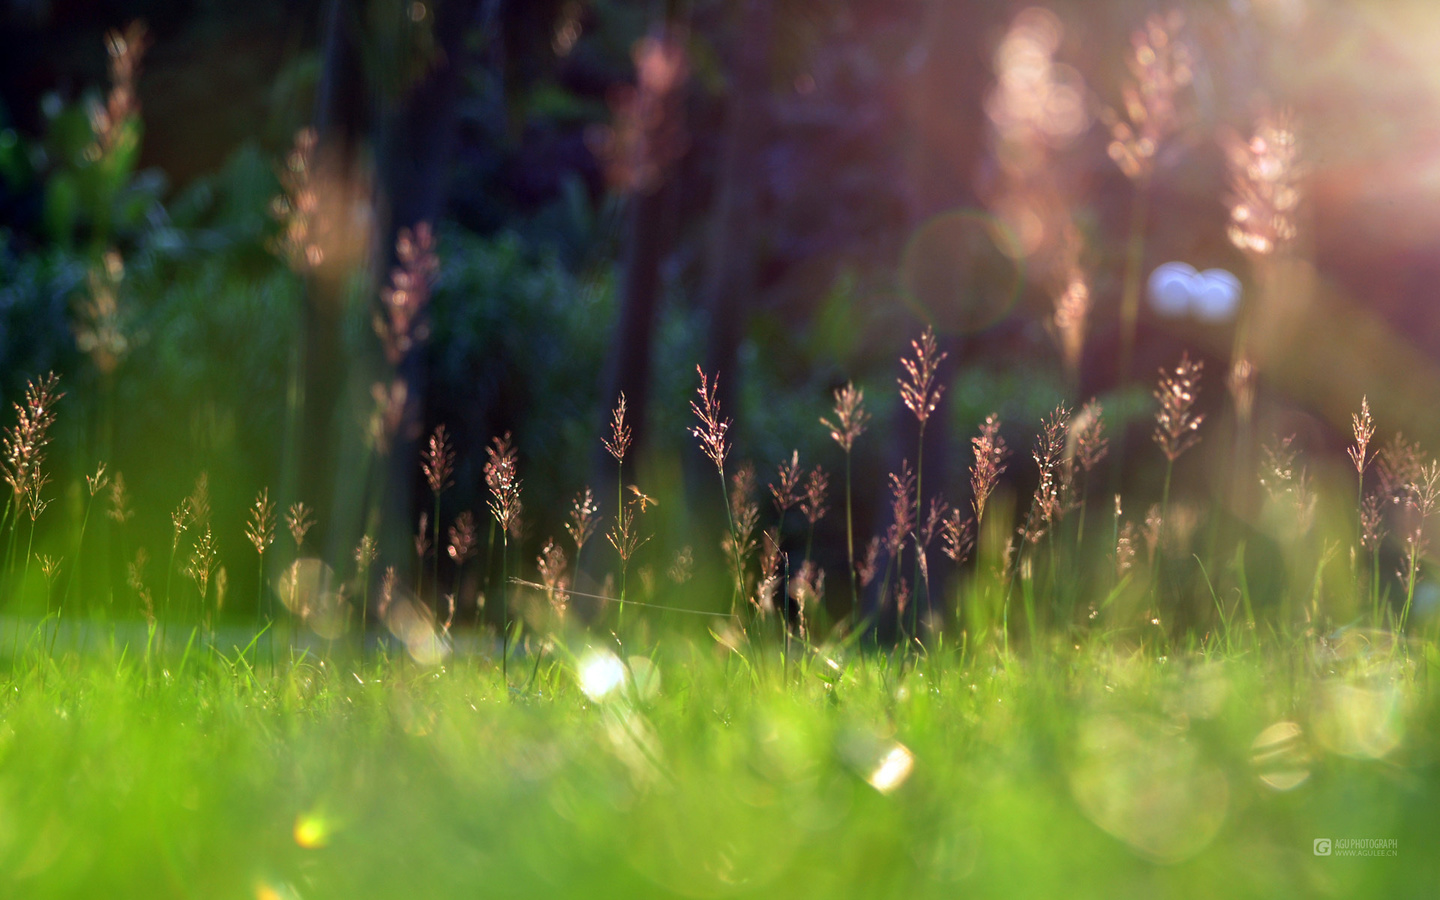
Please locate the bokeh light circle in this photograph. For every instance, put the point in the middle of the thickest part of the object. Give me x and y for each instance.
(960, 271)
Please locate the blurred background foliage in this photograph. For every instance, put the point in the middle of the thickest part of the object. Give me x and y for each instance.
(869, 125)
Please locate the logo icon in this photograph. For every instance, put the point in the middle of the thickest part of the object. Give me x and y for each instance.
(1322, 846)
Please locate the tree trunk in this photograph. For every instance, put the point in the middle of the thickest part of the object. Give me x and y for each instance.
(944, 94)
(731, 262)
(414, 140)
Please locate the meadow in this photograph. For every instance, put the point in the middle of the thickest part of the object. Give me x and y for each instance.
(1012, 565)
(1089, 771)
(1045, 737)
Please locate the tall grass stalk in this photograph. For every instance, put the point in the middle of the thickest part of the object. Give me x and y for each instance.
(1363, 427)
(617, 445)
(919, 548)
(95, 484)
(848, 424)
(712, 433)
(921, 393)
(6, 523)
(435, 566)
(437, 464)
(504, 611)
(29, 546)
(850, 540)
(504, 485)
(1425, 502)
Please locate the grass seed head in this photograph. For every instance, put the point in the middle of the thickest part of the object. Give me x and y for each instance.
(388, 413)
(119, 511)
(388, 585)
(1125, 550)
(770, 579)
(298, 208)
(646, 136)
(1399, 467)
(181, 518)
(200, 501)
(786, 492)
(402, 324)
(24, 443)
(1372, 521)
(96, 483)
(902, 508)
(713, 427)
(1072, 309)
(624, 535)
(918, 389)
(1364, 428)
(934, 523)
(203, 559)
(135, 578)
(1265, 175)
(365, 553)
(1087, 443)
(744, 512)
(1053, 487)
(260, 530)
(902, 596)
(813, 505)
(869, 565)
(850, 416)
(1425, 490)
(957, 538)
(808, 589)
(683, 567)
(1176, 422)
(619, 441)
(584, 518)
(1160, 68)
(300, 519)
(100, 325)
(503, 482)
(462, 538)
(50, 568)
(989, 465)
(114, 123)
(553, 568)
(437, 461)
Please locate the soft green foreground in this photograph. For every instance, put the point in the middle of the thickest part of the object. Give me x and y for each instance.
(1093, 772)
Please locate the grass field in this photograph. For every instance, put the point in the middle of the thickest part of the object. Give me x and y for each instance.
(1196, 666)
(1092, 770)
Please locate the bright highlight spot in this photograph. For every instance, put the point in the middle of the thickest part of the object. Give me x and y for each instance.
(267, 891)
(601, 673)
(414, 625)
(1359, 722)
(1142, 782)
(894, 768)
(1176, 290)
(312, 831)
(1280, 759)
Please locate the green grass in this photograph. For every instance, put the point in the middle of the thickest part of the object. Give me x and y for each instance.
(1093, 770)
